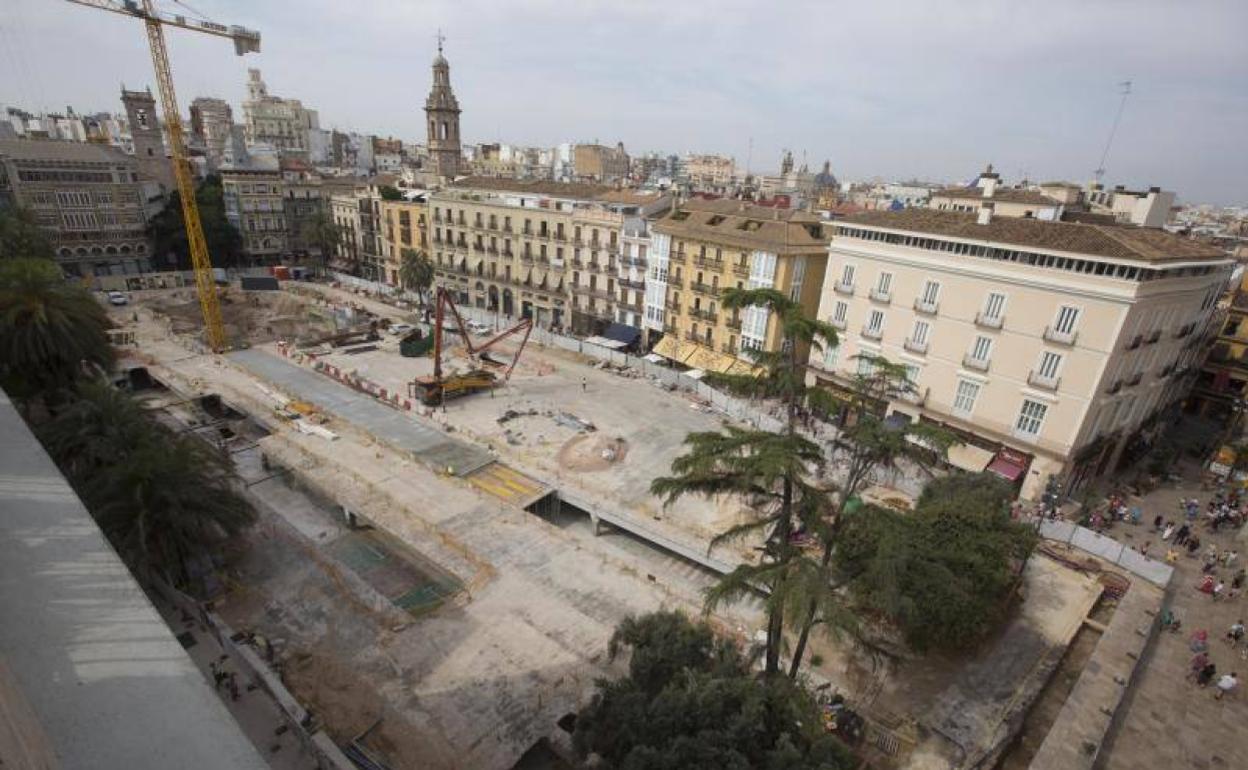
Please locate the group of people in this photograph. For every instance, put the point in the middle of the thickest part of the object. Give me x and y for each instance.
(1204, 671)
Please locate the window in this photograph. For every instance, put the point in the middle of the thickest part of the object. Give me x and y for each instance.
(931, 293)
(883, 284)
(1030, 418)
(1066, 318)
(964, 398)
(912, 374)
(981, 349)
(866, 367)
(847, 275)
(920, 333)
(994, 308)
(831, 353)
(840, 313)
(875, 322)
(1049, 364)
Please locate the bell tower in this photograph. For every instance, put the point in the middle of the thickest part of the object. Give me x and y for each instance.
(149, 142)
(442, 119)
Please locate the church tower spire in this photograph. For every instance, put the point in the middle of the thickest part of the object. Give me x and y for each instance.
(442, 118)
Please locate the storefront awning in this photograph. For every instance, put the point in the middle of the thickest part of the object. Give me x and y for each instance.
(606, 342)
(622, 333)
(969, 457)
(697, 356)
(1009, 465)
(672, 349)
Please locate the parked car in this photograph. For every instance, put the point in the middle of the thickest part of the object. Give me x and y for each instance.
(479, 329)
(117, 298)
(398, 330)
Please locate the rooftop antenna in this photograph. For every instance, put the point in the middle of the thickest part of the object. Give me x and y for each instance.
(1124, 88)
(440, 38)
(749, 156)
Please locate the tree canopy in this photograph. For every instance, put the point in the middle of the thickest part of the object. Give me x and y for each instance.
(51, 331)
(21, 237)
(416, 272)
(690, 702)
(943, 574)
(160, 497)
(168, 231)
(390, 193)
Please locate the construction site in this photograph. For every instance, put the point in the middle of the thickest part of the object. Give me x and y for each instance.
(450, 532)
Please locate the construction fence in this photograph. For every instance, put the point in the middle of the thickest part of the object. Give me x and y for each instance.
(1109, 549)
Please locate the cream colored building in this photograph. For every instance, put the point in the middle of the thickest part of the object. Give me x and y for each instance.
(599, 163)
(1047, 346)
(403, 226)
(705, 246)
(255, 204)
(508, 246)
(710, 172)
(596, 239)
(1007, 201)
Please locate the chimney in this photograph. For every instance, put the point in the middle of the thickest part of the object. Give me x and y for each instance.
(985, 213)
(989, 185)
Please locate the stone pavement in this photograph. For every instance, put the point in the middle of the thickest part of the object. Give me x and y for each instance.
(256, 713)
(1169, 722)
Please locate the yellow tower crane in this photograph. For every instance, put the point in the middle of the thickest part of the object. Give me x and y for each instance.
(245, 41)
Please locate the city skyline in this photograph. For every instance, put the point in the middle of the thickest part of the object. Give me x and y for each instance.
(1038, 104)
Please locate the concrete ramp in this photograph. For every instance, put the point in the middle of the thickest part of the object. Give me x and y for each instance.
(401, 431)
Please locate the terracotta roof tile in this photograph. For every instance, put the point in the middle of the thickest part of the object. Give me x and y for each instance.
(1003, 194)
(1118, 241)
(737, 223)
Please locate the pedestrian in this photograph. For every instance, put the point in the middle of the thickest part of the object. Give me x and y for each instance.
(1227, 685)
(1218, 589)
(1168, 531)
(1193, 545)
(1199, 661)
(1172, 556)
(1228, 558)
(1181, 536)
(1237, 582)
(1158, 522)
(1235, 633)
(1199, 641)
(1206, 675)
(1206, 585)
(1144, 549)
(584, 384)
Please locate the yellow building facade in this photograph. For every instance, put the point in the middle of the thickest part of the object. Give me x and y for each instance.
(404, 225)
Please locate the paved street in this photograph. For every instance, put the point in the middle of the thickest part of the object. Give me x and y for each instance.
(1170, 722)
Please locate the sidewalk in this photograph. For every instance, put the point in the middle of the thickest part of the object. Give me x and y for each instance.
(256, 713)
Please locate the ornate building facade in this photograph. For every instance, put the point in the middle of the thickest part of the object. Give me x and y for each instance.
(442, 115)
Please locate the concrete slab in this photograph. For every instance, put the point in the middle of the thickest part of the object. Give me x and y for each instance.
(427, 444)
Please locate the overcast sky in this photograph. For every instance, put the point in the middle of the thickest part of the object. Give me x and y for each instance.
(897, 89)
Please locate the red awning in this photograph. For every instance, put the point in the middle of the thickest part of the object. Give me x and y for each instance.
(1006, 469)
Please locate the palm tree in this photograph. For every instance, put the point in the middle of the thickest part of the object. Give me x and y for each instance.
(160, 497)
(772, 470)
(52, 333)
(416, 272)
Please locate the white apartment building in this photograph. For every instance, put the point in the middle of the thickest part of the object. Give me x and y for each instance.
(1046, 346)
(282, 123)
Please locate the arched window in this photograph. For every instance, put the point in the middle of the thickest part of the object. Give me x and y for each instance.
(444, 130)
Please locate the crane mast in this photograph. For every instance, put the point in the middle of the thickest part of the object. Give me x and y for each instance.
(245, 41)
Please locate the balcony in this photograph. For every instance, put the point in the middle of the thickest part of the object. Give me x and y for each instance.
(706, 289)
(703, 314)
(734, 323)
(872, 332)
(491, 250)
(914, 346)
(672, 306)
(691, 337)
(989, 322)
(978, 364)
(878, 295)
(928, 308)
(527, 257)
(840, 287)
(613, 247)
(711, 262)
(636, 307)
(728, 348)
(507, 229)
(838, 323)
(1061, 337)
(508, 253)
(677, 259)
(629, 283)
(478, 247)
(1038, 380)
(741, 271)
